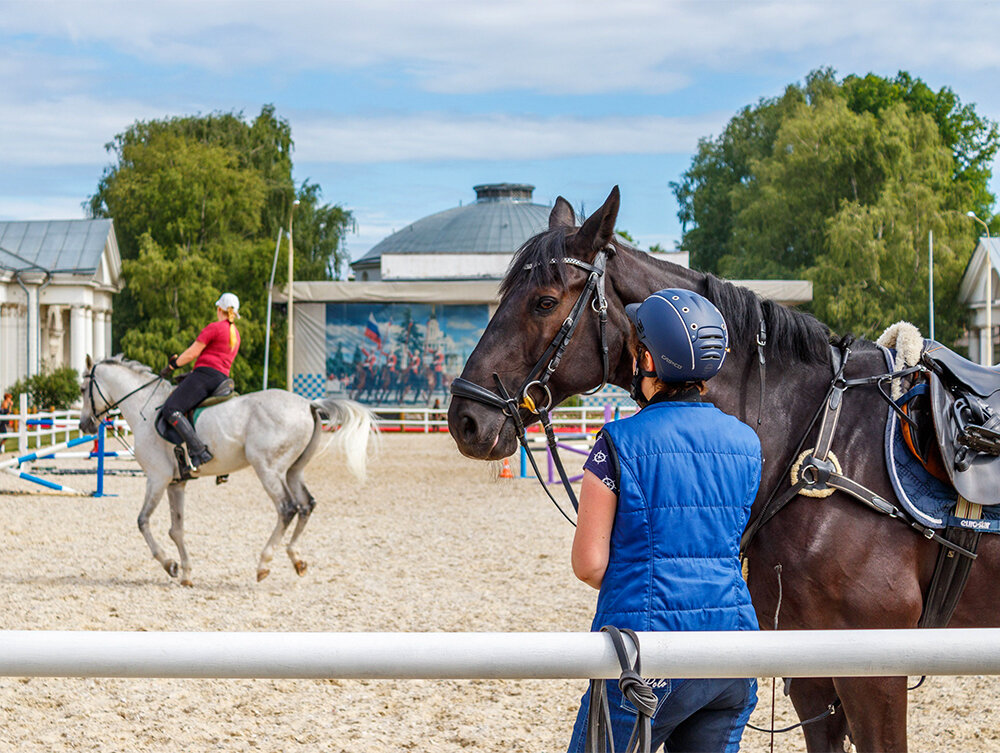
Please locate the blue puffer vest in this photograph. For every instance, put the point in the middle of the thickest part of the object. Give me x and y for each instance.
(688, 475)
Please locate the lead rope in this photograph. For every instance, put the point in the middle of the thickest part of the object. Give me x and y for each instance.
(634, 688)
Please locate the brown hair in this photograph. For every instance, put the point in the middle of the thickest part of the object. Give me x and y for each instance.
(670, 389)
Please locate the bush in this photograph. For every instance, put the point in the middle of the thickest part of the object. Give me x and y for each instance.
(56, 390)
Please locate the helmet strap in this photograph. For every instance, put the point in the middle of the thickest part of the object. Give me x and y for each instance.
(635, 390)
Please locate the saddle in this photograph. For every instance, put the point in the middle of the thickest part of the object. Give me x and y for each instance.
(956, 423)
(225, 391)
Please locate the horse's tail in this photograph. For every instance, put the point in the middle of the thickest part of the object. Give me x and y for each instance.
(356, 424)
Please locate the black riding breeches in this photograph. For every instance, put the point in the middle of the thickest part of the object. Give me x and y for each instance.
(196, 386)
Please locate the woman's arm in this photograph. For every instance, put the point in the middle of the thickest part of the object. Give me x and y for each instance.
(592, 542)
(193, 351)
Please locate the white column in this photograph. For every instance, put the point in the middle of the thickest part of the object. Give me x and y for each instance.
(108, 342)
(88, 330)
(78, 339)
(34, 330)
(8, 344)
(100, 348)
(984, 346)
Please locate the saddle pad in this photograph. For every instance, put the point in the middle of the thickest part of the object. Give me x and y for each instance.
(927, 499)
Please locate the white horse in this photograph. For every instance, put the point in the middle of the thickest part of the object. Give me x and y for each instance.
(274, 431)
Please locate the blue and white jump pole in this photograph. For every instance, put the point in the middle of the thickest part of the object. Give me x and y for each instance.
(12, 466)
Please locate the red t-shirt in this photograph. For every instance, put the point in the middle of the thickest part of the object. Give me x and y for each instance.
(217, 354)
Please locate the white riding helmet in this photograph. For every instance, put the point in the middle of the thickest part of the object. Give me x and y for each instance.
(229, 301)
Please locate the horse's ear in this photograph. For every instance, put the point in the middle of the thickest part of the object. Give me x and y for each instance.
(90, 363)
(561, 215)
(598, 230)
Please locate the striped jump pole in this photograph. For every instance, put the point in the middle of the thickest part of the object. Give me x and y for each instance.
(12, 466)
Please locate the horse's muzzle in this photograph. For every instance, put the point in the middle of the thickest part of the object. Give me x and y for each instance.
(481, 432)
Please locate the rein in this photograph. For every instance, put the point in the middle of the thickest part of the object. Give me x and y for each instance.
(110, 406)
(538, 377)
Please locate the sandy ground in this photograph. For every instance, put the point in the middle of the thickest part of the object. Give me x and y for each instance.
(432, 542)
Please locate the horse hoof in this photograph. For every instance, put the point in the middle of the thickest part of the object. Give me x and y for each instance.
(171, 567)
(300, 567)
(187, 583)
(261, 574)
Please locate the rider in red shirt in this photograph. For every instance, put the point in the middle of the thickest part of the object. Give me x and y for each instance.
(215, 348)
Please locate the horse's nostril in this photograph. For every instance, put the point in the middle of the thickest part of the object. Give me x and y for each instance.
(468, 427)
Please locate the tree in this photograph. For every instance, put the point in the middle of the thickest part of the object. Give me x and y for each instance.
(840, 183)
(198, 203)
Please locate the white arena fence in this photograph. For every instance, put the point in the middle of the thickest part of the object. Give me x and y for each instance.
(401, 656)
(580, 420)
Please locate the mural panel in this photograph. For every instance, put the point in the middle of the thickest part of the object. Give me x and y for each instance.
(399, 353)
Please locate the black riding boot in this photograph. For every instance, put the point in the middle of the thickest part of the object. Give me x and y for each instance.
(197, 451)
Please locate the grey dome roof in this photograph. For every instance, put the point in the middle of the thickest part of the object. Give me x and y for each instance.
(501, 219)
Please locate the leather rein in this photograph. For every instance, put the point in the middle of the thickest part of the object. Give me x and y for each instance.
(110, 406)
(538, 378)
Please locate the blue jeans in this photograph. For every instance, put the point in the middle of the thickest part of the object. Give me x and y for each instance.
(692, 716)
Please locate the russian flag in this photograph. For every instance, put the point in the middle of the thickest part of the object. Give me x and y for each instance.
(371, 331)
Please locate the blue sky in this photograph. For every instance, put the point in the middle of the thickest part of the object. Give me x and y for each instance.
(398, 108)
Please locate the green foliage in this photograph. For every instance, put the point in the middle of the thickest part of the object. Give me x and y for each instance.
(839, 183)
(53, 390)
(198, 203)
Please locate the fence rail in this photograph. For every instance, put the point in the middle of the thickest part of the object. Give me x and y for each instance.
(786, 653)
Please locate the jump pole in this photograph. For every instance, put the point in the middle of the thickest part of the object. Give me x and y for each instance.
(13, 465)
(402, 656)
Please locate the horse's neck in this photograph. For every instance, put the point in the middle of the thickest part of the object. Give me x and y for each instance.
(637, 275)
(137, 408)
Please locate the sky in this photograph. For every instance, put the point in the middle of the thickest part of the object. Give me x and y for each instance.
(398, 109)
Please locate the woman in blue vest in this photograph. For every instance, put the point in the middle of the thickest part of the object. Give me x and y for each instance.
(666, 494)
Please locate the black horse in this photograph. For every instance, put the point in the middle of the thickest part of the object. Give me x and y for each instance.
(842, 565)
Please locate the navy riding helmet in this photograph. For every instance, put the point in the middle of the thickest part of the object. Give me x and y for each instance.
(685, 333)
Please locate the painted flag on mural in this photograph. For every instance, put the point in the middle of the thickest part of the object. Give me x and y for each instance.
(371, 331)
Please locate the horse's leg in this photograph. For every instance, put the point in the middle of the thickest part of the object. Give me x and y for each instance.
(304, 503)
(811, 696)
(175, 495)
(876, 707)
(154, 492)
(284, 503)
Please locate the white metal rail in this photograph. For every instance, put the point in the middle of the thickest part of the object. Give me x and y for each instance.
(822, 653)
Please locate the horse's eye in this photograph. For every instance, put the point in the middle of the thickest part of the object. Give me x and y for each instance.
(546, 303)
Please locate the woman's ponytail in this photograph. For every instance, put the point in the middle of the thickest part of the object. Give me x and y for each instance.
(231, 317)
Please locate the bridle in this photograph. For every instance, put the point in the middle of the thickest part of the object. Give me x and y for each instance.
(538, 377)
(109, 405)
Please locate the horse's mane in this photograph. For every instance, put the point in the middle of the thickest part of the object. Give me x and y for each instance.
(541, 261)
(791, 334)
(120, 360)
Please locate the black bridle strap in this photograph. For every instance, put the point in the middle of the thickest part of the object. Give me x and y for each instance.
(110, 406)
(593, 294)
(509, 408)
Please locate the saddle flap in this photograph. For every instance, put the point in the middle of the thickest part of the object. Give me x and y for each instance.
(975, 475)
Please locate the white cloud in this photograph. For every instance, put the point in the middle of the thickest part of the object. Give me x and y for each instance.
(41, 208)
(70, 130)
(433, 137)
(558, 46)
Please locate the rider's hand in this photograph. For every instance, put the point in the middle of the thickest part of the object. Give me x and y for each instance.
(168, 370)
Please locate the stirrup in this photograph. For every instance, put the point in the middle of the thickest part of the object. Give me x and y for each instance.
(183, 469)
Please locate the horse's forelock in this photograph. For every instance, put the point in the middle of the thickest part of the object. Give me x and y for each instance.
(533, 266)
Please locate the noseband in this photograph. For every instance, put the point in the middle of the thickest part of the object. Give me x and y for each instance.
(538, 378)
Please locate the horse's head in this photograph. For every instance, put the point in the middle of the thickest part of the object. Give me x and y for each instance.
(91, 403)
(552, 276)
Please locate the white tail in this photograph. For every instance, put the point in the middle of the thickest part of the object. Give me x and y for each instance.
(357, 426)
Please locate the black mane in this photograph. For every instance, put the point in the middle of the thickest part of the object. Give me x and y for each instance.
(533, 263)
(791, 334)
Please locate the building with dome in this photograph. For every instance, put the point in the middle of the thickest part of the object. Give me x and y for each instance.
(403, 328)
